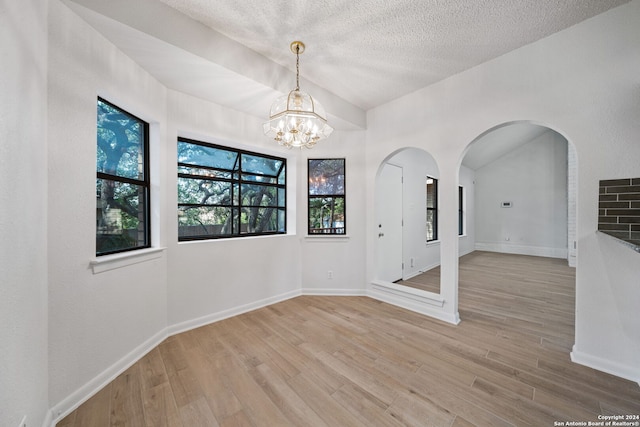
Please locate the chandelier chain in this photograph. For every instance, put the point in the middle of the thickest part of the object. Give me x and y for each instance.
(297, 67)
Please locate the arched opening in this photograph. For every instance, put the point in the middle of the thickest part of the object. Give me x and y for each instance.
(523, 191)
(406, 214)
(521, 226)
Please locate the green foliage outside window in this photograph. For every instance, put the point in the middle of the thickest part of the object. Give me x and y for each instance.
(327, 210)
(224, 192)
(122, 183)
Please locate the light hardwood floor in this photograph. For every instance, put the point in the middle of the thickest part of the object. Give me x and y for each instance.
(427, 281)
(355, 361)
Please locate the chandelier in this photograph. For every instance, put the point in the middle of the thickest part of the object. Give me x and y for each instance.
(296, 119)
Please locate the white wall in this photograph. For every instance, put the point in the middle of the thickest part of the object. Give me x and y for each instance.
(23, 216)
(344, 257)
(98, 323)
(581, 82)
(572, 188)
(211, 279)
(466, 242)
(533, 177)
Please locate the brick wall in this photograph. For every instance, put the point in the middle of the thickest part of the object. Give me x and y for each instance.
(619, 209)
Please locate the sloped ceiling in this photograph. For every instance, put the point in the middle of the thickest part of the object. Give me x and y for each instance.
(359, 54)
(498, 142)
(364, 53)
(372, 51)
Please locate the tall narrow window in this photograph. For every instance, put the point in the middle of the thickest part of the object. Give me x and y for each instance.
(327, 201)
(122, 182)
(460, 211)
(225, 192)
(432, 209)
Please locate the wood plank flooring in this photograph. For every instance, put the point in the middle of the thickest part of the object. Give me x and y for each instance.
(355, 361)
(426, 281)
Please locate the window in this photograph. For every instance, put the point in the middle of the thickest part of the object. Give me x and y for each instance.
(122, 182)
(225, 192)
(327, 196)
(432, 209)
(460, 211)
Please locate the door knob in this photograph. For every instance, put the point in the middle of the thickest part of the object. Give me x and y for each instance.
(380, 234)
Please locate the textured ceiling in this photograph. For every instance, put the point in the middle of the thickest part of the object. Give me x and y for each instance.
(360, 54)
(373, 51)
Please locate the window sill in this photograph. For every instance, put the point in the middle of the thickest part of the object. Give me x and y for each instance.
(233, 239)
(336, 237)
(437, 242)
(111, 262)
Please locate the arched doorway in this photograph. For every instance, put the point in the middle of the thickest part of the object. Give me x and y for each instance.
(407, 239)
(524, 185)
(407, 243)
(522, 206)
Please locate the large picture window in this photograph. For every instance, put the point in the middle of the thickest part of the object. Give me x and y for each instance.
(432, 209)
(327, 206)
(122, 182)
(225, 192)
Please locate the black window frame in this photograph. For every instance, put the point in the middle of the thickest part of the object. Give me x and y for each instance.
(233, 181)
(144, 183)
(330, 231)
(433, 209)
(460, 211)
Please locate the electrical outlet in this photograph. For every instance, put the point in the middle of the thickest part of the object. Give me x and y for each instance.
(330, 274)
(23, 423)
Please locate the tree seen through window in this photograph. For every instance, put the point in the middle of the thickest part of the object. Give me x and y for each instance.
(224, 192)
(327, 210)
(122, 182)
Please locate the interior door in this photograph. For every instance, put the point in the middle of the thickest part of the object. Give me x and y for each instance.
(389, 225)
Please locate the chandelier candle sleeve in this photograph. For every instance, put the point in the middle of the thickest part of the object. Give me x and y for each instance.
(296, 119)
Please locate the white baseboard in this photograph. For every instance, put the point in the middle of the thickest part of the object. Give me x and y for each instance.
(416, 300)
(334, 292)
(423, 269)
(48, 419)
(631, 373)
(522, 250)
(426, 268)
(414, 274)
(463, 253)
(81, 395)
(77, 398)
(225, 314)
